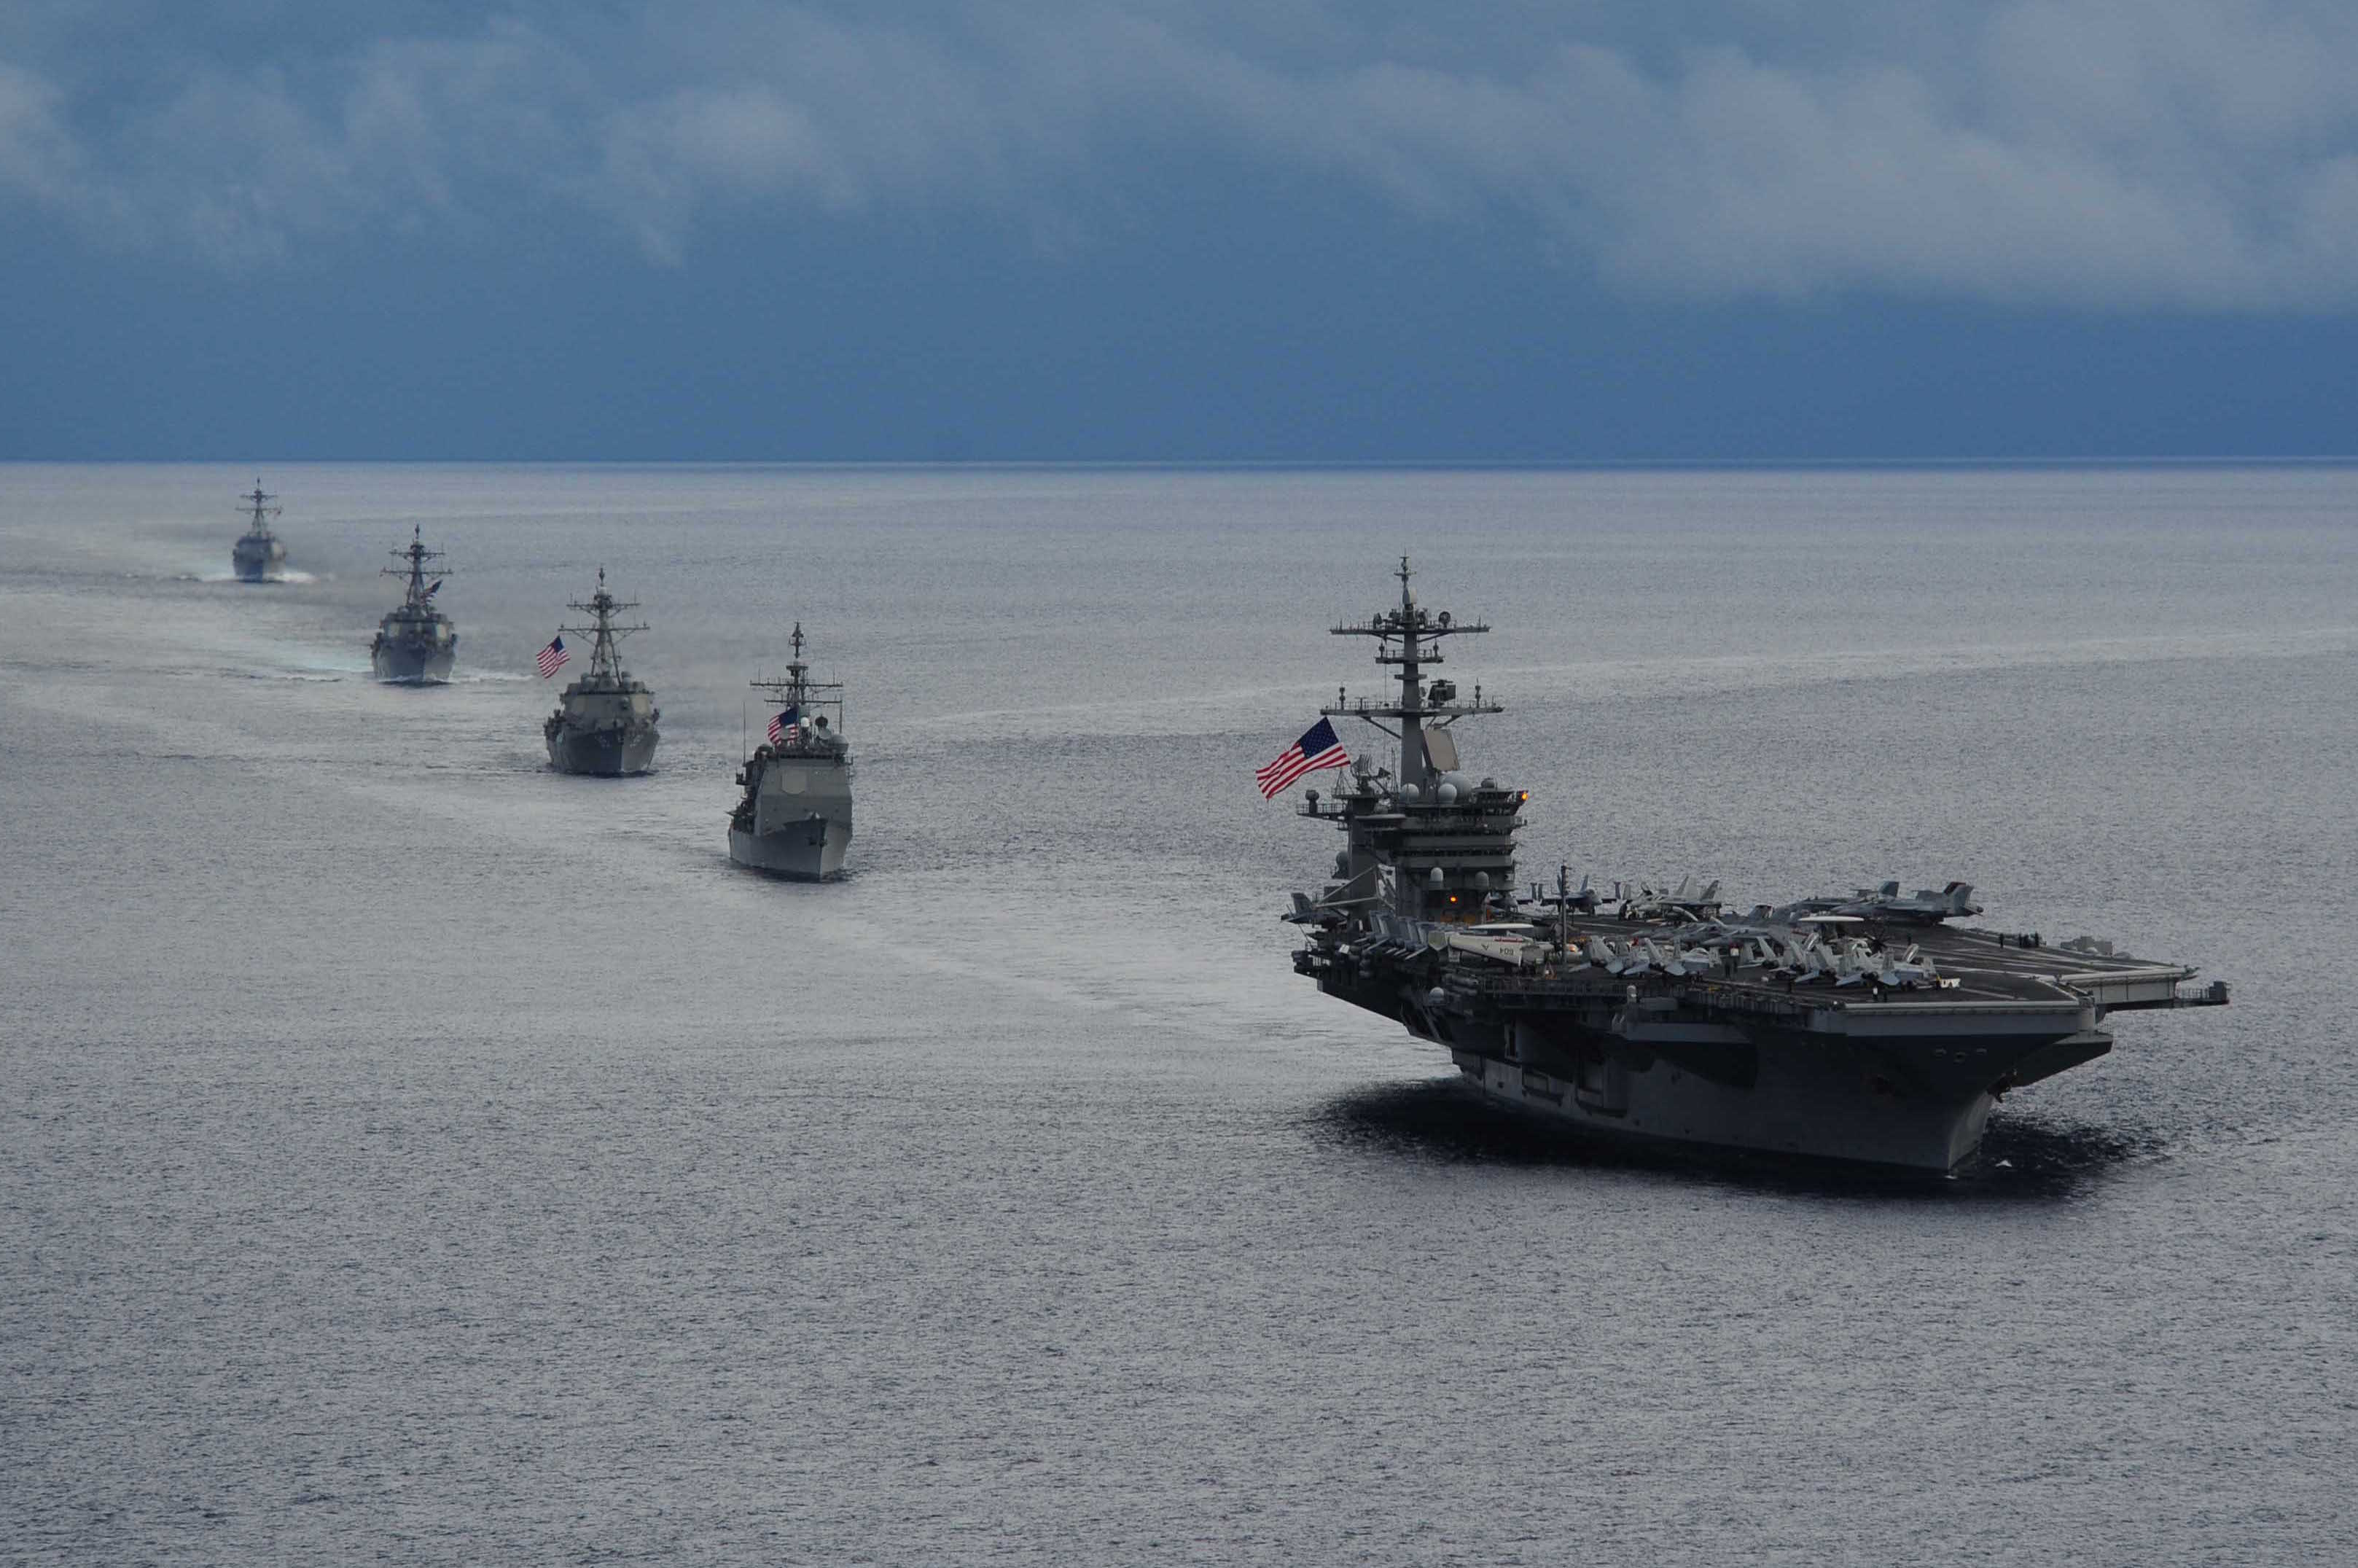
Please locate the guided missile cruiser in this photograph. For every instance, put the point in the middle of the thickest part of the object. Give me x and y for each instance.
(793, 819)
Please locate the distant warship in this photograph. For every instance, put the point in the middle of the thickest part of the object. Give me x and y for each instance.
(415, 641)
(1860, 1028)
(605, 722)
(794, 818)
(259, 555)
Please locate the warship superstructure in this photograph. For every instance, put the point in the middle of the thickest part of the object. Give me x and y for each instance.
(605, 722)
(793, 819)
(259, 555)
(1867, 1028)
(415, 641)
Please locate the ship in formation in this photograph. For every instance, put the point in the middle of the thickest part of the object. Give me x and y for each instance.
(416, 643)
(793, 816)
(259, 555)
(605, 722)
(1872, 1028)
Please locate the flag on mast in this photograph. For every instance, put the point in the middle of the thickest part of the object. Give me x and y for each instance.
(553, 657)
(783, 721)
(1318, 749)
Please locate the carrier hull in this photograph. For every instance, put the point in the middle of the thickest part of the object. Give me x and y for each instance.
(809, 850)
(1738, 1067)
(1816, 1106)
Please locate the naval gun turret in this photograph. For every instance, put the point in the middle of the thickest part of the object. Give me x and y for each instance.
(793, 819)
(605, 722)
(416, 643)
(259, 556)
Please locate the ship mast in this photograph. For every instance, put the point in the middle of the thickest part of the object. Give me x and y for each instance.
(797, 690)
(1448, 844)
(1410, 637)
(605, 663)
(258, 505)
(416, 555)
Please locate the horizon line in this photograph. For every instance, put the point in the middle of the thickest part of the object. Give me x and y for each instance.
(1466, 464)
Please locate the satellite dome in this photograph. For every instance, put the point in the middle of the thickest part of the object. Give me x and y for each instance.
(1446, 793)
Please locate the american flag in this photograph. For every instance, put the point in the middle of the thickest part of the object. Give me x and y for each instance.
(1318, 749)
(553, 657)
(783, 721)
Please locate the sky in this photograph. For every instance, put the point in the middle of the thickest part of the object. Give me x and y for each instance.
(1291, 230)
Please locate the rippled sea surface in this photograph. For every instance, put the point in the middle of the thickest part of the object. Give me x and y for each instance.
(412, 1155)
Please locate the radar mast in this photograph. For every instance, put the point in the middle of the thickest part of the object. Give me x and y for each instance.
(416, 555)
(795, 688)
(1410, 637)
(605, 662)
(257, 505)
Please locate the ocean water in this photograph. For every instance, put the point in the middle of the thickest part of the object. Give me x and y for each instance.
(412, 1155)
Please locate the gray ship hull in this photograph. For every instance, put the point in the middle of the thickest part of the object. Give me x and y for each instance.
(811, 850)
(258, 563)
(1903, 1085)
(1801, 1104)
(413, 663)
(606, 753)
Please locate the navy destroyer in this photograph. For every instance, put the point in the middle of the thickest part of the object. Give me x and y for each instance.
(605, 722)
(794, 817)
(259, 556)
(415, 641)
(1866, 1028)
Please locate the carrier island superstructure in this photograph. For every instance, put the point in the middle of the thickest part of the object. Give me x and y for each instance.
(1866, 1028)
(793, 819)
(605, 722)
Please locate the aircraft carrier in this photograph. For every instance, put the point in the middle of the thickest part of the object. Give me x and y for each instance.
(1867, 1028)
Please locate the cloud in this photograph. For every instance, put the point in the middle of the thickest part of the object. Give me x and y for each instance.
(38, 160)
(2175, 154)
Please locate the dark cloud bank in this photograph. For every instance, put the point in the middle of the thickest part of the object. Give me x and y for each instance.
(1164, 231)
